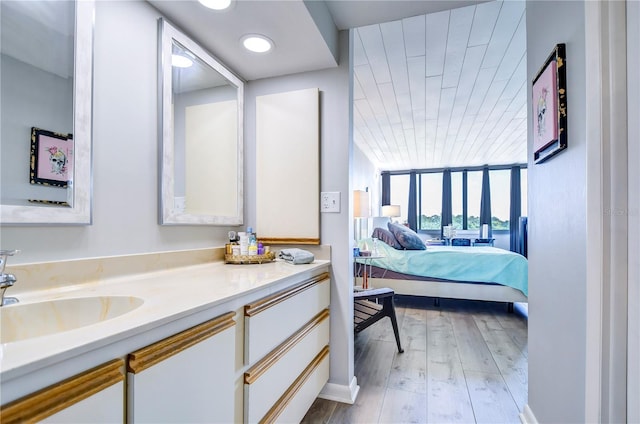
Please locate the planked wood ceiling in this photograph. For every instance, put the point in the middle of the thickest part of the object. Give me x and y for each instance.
(447, 89)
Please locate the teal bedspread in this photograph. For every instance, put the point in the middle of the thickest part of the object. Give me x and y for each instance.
(469, 264)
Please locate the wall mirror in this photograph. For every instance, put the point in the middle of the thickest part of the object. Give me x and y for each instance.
(201, 171)
(46, 61)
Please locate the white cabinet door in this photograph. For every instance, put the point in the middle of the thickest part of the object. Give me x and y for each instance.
(94, 396)
(188, 377)
(104, 407)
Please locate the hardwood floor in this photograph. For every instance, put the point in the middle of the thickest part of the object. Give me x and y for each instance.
(464, 362)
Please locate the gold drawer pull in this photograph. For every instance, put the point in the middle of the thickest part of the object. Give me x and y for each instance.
(267, 302)
(285, 399)
(148, 356)
(276, 354)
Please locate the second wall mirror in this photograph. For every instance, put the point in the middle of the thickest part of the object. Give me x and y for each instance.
(201, 139)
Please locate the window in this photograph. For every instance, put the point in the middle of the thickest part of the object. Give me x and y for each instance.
(456, 199)
(430, 201)
(399, 185)
(474, 193)
(500, 184)
(429, 198)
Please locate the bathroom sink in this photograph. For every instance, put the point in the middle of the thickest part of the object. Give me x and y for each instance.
(25, 321)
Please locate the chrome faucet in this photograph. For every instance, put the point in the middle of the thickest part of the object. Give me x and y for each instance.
(6, 280)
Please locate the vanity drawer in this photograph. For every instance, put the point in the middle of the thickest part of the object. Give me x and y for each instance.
(273, 319)
(270, 379)
(295, 403)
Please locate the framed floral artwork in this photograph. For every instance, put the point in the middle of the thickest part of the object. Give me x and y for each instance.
(52, 158)
(549, 95)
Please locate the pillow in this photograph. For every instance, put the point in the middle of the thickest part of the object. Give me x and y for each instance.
(387, 237)
(407, 238)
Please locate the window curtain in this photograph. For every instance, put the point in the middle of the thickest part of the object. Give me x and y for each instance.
(465, 209)
(447, 214)
(485, 202)
(515, 208)
(412, 215)
(386, 189)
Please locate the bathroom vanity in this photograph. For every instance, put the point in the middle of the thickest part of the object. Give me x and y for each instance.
(192, 340)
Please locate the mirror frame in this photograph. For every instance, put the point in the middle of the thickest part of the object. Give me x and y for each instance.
(80, 211)
(167, 33)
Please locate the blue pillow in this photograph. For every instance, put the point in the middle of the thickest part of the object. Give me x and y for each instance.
(407, 238)
(387, 237)
(410, 241)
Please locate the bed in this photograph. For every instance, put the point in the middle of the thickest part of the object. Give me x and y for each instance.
(476, 273)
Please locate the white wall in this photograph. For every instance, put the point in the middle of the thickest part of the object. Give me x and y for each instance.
(24, 106)
(335, 159)
(125, 153)
(181, 102)
(557, 229)
(633, 214)
(365, 175)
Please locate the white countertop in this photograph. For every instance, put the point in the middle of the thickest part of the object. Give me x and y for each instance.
(168, 295)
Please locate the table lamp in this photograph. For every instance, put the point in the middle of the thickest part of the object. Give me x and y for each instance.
(392, 211)
(360, 210)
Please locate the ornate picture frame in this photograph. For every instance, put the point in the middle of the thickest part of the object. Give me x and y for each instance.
(549, 102)
(52, 158)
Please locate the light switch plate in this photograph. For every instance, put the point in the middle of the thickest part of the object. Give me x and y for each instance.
(330, 201)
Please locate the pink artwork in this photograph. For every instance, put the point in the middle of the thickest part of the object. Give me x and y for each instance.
(545, 108)
(549, 103)
(51, 158)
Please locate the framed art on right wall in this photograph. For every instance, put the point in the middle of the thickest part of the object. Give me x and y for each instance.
(549, 95)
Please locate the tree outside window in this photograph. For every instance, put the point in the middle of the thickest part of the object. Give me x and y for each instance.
(500, 183)
(456, 200)
(474, 193)
(430, 201)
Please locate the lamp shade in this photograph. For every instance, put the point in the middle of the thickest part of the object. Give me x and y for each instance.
(360, 204)
(391, 210)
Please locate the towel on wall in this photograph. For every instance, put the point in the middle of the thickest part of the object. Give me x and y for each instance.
(296, 256)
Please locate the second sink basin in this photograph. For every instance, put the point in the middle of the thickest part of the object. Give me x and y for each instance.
(25, 321)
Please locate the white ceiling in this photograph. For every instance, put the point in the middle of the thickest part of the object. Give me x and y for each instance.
(50, 47)
(433, 87)
(443, 90)
(299, 44)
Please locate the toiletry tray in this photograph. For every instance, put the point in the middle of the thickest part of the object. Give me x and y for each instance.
(249, 259)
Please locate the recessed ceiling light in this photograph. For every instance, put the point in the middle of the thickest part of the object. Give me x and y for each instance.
(216, 4)
(257, 43)
(180, 61)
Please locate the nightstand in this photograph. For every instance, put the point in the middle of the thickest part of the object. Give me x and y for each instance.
(483, 242)
(365, 267)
